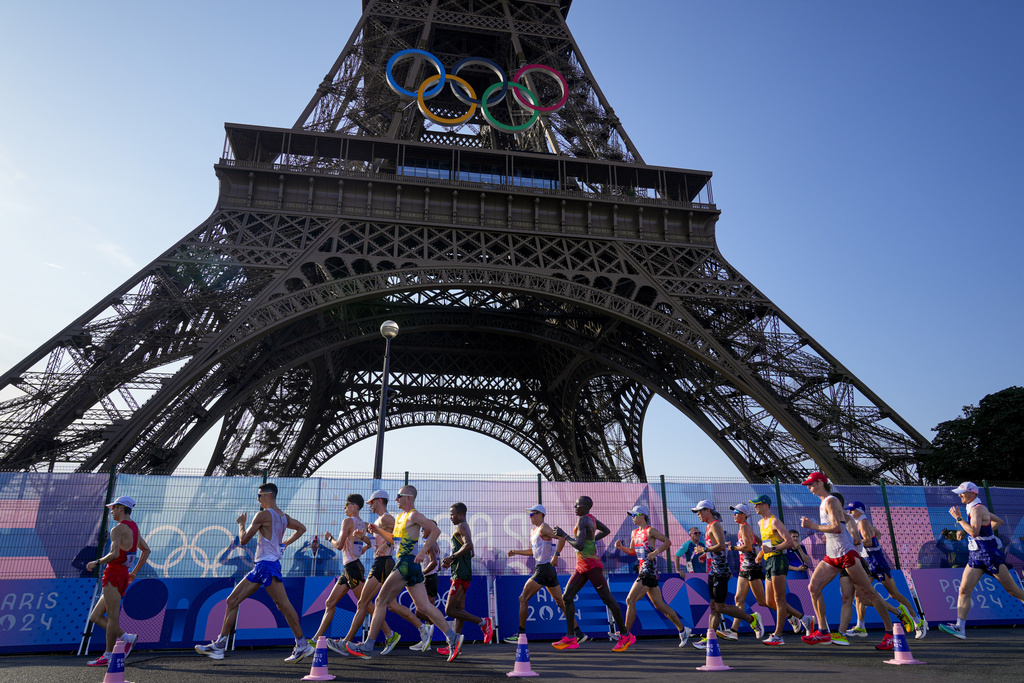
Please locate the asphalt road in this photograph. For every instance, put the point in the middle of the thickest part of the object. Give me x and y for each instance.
(993, 654)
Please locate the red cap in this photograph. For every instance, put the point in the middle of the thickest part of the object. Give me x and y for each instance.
(816, 476)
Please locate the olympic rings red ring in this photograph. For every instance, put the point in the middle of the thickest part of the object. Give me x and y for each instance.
(540, 67)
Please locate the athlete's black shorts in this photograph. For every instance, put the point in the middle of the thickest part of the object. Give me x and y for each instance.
(647, 580)
(718, 587)
(382, 566)
(430, 581)
(545, 575)
(756, 574)
(354, 574)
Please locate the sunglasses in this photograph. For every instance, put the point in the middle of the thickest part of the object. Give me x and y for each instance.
(403, 495)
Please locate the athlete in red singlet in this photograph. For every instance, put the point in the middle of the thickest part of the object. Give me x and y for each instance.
(121, 569)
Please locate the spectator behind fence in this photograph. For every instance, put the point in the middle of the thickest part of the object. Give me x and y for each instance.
(954, 545)
(312, 559)
(684, 556)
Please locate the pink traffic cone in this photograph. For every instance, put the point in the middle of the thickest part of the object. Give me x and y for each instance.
(318, 672)
(901, 650)
(115, 669)
(522, 667)
(713, 660)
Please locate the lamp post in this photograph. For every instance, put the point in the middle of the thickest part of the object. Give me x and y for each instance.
(388, 330)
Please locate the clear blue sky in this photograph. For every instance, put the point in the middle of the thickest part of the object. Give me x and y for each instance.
(867, 161)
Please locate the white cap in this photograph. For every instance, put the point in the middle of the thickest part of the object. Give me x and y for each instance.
(379, 493)
(538, 508)
(742, 507)
(129, 502)
(966, 487)
(703, 505)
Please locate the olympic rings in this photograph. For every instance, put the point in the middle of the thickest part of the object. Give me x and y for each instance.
(443, 121)
(198, 555)
(462, 90)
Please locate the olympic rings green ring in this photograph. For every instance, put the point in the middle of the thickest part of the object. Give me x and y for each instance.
(500, 126)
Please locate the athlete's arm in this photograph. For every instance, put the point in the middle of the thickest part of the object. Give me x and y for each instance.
(296, 526)
(584, 527)
(867, 532)
(143, 556)
(258, 520)
(602, 530)
(747, 536)
(346, 531)
(118, 535)
(431, 559)
(855, 530)
(779, 529)
(836, 518)
(465, 549)
(658, 536)
(994, 521)
(628, 549)
(717, 537)
(433, 534)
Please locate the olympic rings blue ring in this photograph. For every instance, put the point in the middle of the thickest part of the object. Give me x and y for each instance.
(393, 84)
(480, 61)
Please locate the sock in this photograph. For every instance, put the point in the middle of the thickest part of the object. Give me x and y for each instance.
(108, 655)
(961, 624)
(450, 635)
(860, 624)
(300, 641)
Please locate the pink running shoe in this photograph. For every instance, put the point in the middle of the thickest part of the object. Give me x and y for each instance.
(99, 661)
(816, 637)
(443, 651)
(566, 643)
(624, 642)
(488, 628)
(887, 643)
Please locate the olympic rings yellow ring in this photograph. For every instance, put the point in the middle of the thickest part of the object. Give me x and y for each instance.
(421, 103)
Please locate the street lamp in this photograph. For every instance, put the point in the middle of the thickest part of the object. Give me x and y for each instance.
(388, 330)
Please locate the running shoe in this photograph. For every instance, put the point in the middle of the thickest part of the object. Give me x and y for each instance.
(356, 650)
(727, 634)
(887, 643)
(443, 651)
(774, 640)
(420, 647)
(808, 623)
(624, 643)
(214, 650)
(758, 626)
(857, 631)
(512, 639)
(701, 644)
(922, 629)
(488, 628)
(129, 643)
(338, 645)
(300, 652)
(565, 643)
(684, 636)
(816, 637)
(952, 630)
(795, 624)
(839, 639)
(390, 642)
(908, 621)
(426, 635)
(456, 647)
(581, 637)
(103, 660)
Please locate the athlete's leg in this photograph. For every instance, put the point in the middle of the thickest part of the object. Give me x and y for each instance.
(822, 576)
(279, 595)
(969, 579)
(337, 593)
(636, 591)
(1008, 583)
(529, 590)
(392, 587)
(890, 585)
(456, 609)
(775, 592)
(742, 588)
(654, 595)
(242, 590)
(572, 587)
(426, 605)
(112, 623)
(862, 581)
(605, 593)
(404, 612)
(363, 607)
(99, 613)
(846, 611)
(556, 594)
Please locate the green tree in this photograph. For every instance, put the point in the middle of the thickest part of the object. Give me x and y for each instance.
(986, 443)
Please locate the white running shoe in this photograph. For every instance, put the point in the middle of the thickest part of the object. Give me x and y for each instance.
(795, 624)
(684, 636)
(300, 652)
(337, 645)
(212, 650)
(808, 623)
(921, 632)
(129, 643)
(390, 642)
(758, 625)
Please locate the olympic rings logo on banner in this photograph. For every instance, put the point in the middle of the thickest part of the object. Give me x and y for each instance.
(464, 92)
(197, 554)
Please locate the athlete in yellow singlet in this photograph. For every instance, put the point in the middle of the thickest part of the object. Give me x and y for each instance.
(407, 574)
(774, 543)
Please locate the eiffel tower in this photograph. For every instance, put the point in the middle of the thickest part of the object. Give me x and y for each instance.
(458, 171)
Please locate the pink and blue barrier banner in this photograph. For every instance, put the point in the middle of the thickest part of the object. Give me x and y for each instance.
(938, 590)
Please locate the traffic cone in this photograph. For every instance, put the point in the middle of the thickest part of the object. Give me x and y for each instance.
(115, 669)
(318, 672)
(901, 650)
(522, 667)
(713, 661)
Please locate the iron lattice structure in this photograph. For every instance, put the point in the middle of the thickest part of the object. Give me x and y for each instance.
(548, 284)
